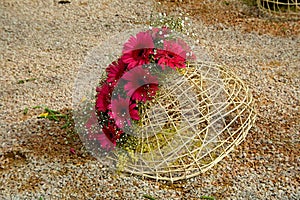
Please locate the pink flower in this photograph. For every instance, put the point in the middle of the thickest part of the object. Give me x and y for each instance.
(172, 55)
(115, 71)
(137, 50)
(145, 93)
(112, 133)
(72, 151)
(92, 120)
(103, 97)
(186, 50)
(95, 133)
(141, 86)
(141, 41)
(175, 48)
(169, 59)
(122, 111)
(105, 141)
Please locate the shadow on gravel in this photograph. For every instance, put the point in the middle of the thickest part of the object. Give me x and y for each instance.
(44, 138)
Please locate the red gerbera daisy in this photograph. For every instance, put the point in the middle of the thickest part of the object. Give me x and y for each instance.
(112, 132)
(105, 142)
(103, 97)
(172, 55)
(186, 50)
(175, 47)
(109, 136)
(94, 133)
(114, 71)
(141, 86)
(122, 111)
(137, 50)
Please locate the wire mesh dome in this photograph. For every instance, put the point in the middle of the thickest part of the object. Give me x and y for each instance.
(197, 114)
(197, 120)
(288, 9)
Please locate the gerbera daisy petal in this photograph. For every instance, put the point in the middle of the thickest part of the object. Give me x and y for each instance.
(137, 49)
(140, 84)
(103, 97)
(115, 71)
(122, 110)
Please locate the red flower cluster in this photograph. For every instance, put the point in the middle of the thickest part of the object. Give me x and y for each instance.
(130, 82)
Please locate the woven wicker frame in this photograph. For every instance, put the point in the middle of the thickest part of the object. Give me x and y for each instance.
(221, 121)
(284, 9)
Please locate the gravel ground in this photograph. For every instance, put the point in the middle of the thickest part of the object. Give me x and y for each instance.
(43, 44)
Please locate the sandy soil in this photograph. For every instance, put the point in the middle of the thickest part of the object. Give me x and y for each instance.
(44, 43)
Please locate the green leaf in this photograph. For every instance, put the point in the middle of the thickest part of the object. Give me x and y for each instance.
(67, 124)
(50, 114)
(207, 197)
(51, 111)
(21, 81)
(148, 197)
(35, 107)
(25, 111)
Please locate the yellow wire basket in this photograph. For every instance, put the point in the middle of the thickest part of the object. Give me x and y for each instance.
(196, 119)
(284, 9)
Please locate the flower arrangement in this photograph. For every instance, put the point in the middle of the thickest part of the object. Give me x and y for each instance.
(133, 80)
(152, 109)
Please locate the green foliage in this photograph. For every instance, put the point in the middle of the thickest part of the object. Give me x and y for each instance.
(25, 111)
(207, 197)
(25, 80)
(148, 197)
(53, 115)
